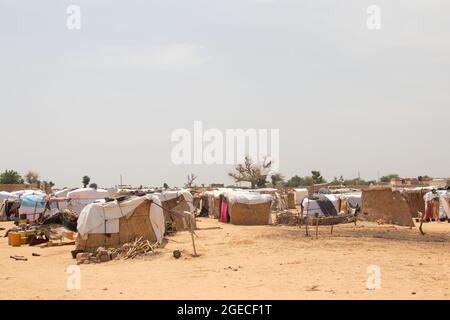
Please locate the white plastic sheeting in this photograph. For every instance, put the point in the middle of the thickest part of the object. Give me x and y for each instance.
(300, 194)
(7, 196)
(247, 198)
(33, 204)
(354, 199)
(104, 217)
(62, 193)
(80, 198)
(311, 207)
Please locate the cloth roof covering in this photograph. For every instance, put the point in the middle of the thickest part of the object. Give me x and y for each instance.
(101, 217)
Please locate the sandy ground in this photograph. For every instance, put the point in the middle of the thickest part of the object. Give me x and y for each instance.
(242, 262)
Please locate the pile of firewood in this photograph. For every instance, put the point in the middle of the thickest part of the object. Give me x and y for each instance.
(133, 249)
(130, 250)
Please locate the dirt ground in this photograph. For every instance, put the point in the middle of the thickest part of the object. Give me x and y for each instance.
(248, 262)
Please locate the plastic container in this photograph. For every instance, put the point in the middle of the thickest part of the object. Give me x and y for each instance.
(15, 239)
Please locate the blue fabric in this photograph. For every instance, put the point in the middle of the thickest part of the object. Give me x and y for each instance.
(35, 201)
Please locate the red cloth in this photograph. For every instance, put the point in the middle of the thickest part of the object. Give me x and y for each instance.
(429, 210)
(223, 216)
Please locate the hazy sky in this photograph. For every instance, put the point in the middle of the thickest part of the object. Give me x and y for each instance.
(105, 99)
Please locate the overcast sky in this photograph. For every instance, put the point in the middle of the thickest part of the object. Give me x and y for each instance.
(104, 100)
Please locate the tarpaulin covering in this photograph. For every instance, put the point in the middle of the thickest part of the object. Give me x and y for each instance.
(317, 205)
(34, 203)
(104, 217)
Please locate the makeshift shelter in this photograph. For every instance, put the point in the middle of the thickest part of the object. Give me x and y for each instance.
(63, 192)
(4, 195)
(214, 202)
(177, 201)
(245, 208)
(279, 201)
(416, 200)
(112, 224)
(323, 205)
(202, 204)
(79, 198)
(384, 204)
(9, 205)
(34, 204)
(437, 205)
(348, 202)
(291, 200)
(300, 194)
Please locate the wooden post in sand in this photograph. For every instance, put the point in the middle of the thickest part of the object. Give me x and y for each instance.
(193, 244)
(317, 225)
(191, 229)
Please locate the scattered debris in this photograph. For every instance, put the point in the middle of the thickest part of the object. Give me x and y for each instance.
(35, 254)
(231, 268)
(129, 250)
(176, 254)
(21, 258)
(313, 288)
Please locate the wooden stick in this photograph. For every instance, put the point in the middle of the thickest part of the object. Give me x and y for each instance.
(317, 227)
(193, 243)
(191, 230)
(420, 227)
(306, 225)
(22, 258)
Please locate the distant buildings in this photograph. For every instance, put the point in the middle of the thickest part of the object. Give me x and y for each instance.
(420, 181)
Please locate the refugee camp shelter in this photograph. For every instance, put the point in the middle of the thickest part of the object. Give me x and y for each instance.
(9, 204)
(387, 205)
(112, 224)
(245, 208)
(321, 205)
(415, 198)
(300, 194)
(79, 198)
(34, 204)
(176, 201)
(437, 205)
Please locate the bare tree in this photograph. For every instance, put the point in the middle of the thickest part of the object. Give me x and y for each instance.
(32, 177)
(190, 180)
(248, 171)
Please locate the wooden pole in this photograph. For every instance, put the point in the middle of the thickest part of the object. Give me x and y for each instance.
(317, 227)
(193, 244)
(191, 230)
(306, 226)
